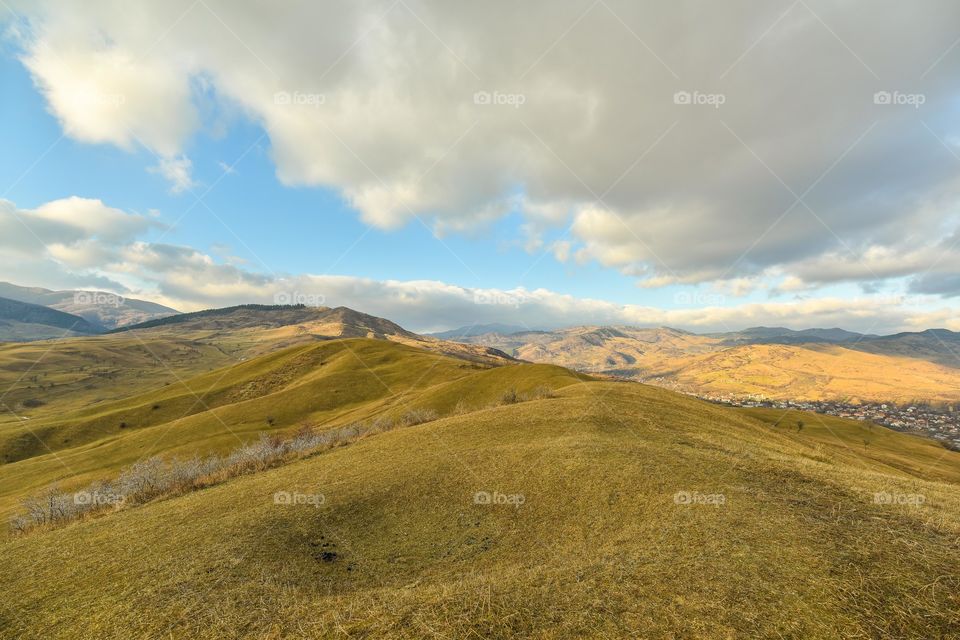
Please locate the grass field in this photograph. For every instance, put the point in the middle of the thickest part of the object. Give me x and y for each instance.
(326, 384)
(616, 510)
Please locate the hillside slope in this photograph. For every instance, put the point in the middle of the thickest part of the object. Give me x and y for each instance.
(811, 372)
(22, 322)
(617, 510)
(324, 384)
(102, 310)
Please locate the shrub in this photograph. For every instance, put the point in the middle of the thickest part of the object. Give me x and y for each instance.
(383, 423)
(155, 477)
(417, 416)
(510, 396)
(542, 392)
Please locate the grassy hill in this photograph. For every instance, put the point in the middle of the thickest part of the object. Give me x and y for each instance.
(616, 510)
(327, 383)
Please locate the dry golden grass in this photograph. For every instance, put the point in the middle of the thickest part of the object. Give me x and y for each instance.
(598, 548)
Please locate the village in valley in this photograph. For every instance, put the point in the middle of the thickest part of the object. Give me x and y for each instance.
(939, 423)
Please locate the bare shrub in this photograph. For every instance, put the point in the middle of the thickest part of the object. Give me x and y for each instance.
(418, 416)
(461, 408)
(155, 477)
(542, 392)
(144, 480)
(510, 396)
(383, 423)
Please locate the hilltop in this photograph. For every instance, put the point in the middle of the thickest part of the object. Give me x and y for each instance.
(603, 509)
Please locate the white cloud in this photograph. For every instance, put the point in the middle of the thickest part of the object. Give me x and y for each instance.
(377, 100)
(177, 171)
(101, 91)
(104, 252)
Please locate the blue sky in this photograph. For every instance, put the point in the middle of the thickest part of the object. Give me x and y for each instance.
(271, 227)
(564, 190)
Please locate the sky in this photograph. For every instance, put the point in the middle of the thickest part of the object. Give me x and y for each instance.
(704, 165)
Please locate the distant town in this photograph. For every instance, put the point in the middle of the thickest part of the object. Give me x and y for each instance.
(939, 423)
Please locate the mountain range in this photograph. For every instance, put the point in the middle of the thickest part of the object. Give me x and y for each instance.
(773, 363)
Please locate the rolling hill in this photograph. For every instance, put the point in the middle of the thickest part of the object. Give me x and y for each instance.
(774, 363)
(603, 509)
(53, 377)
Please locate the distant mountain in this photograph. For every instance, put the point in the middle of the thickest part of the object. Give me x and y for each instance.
(276, 326)
(478, 330)
(771, 362)
(338, 322)
(935, 345)
(102, 309)
(782, 335)
(22, 322)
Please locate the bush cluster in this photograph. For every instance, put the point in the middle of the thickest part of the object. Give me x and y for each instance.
(157, 477)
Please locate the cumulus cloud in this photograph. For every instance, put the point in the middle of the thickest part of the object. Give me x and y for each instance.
(77, 242)
(71, 242)
(755, 138)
